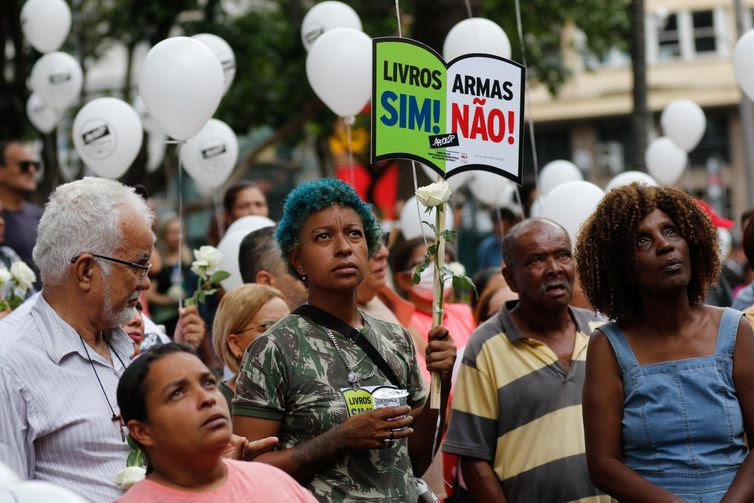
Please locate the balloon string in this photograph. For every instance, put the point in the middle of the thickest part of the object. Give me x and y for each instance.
(468, 8)
(180, 226)
(533, 142)
(218, 214)
(398, 16)
(351, 167)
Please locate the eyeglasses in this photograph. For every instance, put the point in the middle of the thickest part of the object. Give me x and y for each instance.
(143, 269)
(264, 326)
(25, 166)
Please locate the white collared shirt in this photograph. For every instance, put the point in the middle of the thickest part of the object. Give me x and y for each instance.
(56, 424)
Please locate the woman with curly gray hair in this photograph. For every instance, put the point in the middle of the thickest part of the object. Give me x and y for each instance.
(309, 379)
(669, 388)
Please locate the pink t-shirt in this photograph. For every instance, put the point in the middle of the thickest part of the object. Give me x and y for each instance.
(459, 321)
(247, 481)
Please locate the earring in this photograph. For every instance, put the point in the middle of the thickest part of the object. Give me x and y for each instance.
(302, 274)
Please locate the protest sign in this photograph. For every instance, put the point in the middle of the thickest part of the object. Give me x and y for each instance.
(454, 117)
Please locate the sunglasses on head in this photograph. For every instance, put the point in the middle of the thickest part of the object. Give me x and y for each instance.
(25, 166)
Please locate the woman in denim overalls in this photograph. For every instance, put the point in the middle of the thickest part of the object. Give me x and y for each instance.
(669, 389)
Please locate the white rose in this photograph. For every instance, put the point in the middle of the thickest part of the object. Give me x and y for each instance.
(210, 255)
(434, 194)
(198, 266)
(457, 268)
(129, 476)
(5, 276)
(23, 275)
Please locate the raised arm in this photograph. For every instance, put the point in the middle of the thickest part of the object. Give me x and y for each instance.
(742, 488)
(603, 413)
(440, 356)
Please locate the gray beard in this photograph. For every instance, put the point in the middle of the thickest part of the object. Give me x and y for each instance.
(121, 317)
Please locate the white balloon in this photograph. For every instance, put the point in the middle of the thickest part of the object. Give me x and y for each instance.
(181, 83)
(665, 160)
(45, 23)
(339, 69)
(742, 56)
(37, 491)
(224, 53)
(326, 16)
(683, 121)
(726, 242)
(41, 116)
(492, 189)
(556, 173)
(155, 149)
(107, 135)
(629, 177)
(230, 244)
(411, 225)
(57, 78)
(210, 156)
(455, 181)
(147, 121)
(570, 204)
(476, 34)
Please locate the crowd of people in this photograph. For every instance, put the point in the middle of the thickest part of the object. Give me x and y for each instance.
(589, 371)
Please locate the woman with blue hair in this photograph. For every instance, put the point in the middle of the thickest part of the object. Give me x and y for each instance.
(309, 379)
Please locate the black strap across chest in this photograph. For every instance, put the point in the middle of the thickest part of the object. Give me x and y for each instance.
(325, 319)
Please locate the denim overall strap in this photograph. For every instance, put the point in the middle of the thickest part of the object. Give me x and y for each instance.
(726, 334)
(623, 352)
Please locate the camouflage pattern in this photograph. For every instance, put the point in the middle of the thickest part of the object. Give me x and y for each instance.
(293, 374)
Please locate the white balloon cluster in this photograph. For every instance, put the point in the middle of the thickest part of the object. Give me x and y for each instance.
(56, 77)
(181, 83)
(683, 123)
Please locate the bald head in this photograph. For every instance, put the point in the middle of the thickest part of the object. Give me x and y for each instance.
(515, 233)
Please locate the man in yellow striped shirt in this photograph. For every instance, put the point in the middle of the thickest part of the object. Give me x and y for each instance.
(516, 420)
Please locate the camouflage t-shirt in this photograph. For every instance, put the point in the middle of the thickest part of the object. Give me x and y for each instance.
(293, 374)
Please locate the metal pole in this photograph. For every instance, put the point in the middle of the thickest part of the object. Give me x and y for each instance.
(746, 110)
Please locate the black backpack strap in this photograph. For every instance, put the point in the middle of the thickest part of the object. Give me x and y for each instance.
(326, 319)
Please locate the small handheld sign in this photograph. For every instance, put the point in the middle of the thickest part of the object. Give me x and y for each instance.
(454, 117)
(459, 116)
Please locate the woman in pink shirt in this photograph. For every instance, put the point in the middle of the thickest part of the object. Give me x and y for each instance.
(174, 410)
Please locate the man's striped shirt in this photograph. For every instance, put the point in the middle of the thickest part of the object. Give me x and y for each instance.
(516, 407)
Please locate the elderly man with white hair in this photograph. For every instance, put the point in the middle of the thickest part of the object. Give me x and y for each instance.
(60, 362)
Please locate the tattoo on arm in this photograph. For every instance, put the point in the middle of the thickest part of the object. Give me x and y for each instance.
(316, 450)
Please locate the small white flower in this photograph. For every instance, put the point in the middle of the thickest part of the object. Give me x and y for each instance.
(5, 276)
(23, 275)
(457, 268)
(199, 266)
(208, 257)
(434, 194)
(129, 476)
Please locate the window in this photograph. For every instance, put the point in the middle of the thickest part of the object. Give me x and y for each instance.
(703, 25)
(668, 39)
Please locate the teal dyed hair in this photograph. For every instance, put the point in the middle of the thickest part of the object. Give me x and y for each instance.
(311, 197)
